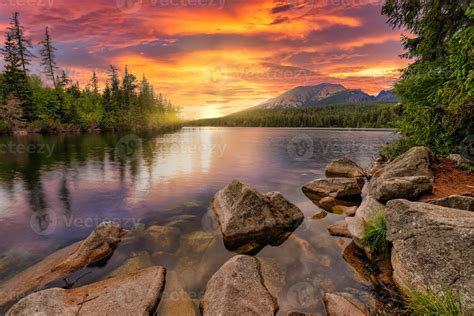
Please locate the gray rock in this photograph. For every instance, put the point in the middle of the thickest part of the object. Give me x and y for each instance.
(409, 177)
(456, 201)
(458, 159)
(137, 293)
(369, 208)
(250, 220)
(342, 304)
(237, 288)
(340, 188)
(163, 238)
(433, 247)
(100, 244)
(345, 168)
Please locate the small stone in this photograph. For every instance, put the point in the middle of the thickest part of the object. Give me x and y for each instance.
(163, 238)
(319, 215)
(339, 229)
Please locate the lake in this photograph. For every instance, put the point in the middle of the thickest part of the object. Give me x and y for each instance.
(55, 189)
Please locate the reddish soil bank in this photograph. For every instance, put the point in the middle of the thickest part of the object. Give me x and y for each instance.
(450, 180)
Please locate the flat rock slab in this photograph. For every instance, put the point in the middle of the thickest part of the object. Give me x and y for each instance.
(250, 220)
(407, 177)
(97, 246)
(433, 247)
(137, 293)
(237, 288)
(345, 168)
(456, 201)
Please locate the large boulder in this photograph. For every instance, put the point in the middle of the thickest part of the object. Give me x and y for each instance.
(237, 288)
(409, 177)
(250, 220)
(456, 201)
(433, 248)
(342, 304)
(345, 168)
(137, 293)
(99, 245)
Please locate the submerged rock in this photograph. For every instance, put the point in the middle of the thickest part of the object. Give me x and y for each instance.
(138, 261)
(456, 201)
(342, 304)
(345, 168)
(162, 238)
(137, 293)
(339, 229)
(433, 247)
(200, 254)
(99, 245)
(250, 220)
(237, 288)
(175, 300)
(408, 177)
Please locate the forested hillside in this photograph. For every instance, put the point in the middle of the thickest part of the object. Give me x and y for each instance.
(28, 103)
(366, 115)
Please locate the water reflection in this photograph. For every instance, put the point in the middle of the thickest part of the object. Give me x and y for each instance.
(57, 191)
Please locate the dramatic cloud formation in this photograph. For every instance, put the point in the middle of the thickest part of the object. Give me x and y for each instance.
(214, 57)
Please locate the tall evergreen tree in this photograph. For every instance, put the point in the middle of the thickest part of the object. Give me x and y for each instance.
(15, 81)
(95, 83)
(64, 81)
(48, 58)
(23, 43)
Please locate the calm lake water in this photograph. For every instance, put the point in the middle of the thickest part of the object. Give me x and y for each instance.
(55, 189)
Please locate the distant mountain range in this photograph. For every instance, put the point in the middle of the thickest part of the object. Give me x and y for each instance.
(323, 94)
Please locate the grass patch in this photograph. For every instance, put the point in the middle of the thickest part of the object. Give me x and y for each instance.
(375, 235)
(429, 303)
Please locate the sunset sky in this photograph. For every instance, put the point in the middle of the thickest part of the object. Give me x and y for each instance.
(214, 57)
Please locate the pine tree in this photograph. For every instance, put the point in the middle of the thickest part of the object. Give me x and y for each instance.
(48, 58)
(22, 42)
(95, 83)
(64, 80)
(15, 80)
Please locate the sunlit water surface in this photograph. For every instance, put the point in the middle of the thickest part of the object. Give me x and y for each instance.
(55, 192)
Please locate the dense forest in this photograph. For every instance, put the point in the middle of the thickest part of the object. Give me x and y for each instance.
(437, 88)
(367, 115)
(27, 103)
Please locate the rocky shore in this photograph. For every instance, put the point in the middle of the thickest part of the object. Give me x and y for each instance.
(422, 245)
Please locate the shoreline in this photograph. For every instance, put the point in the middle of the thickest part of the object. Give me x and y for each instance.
(342, 129)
